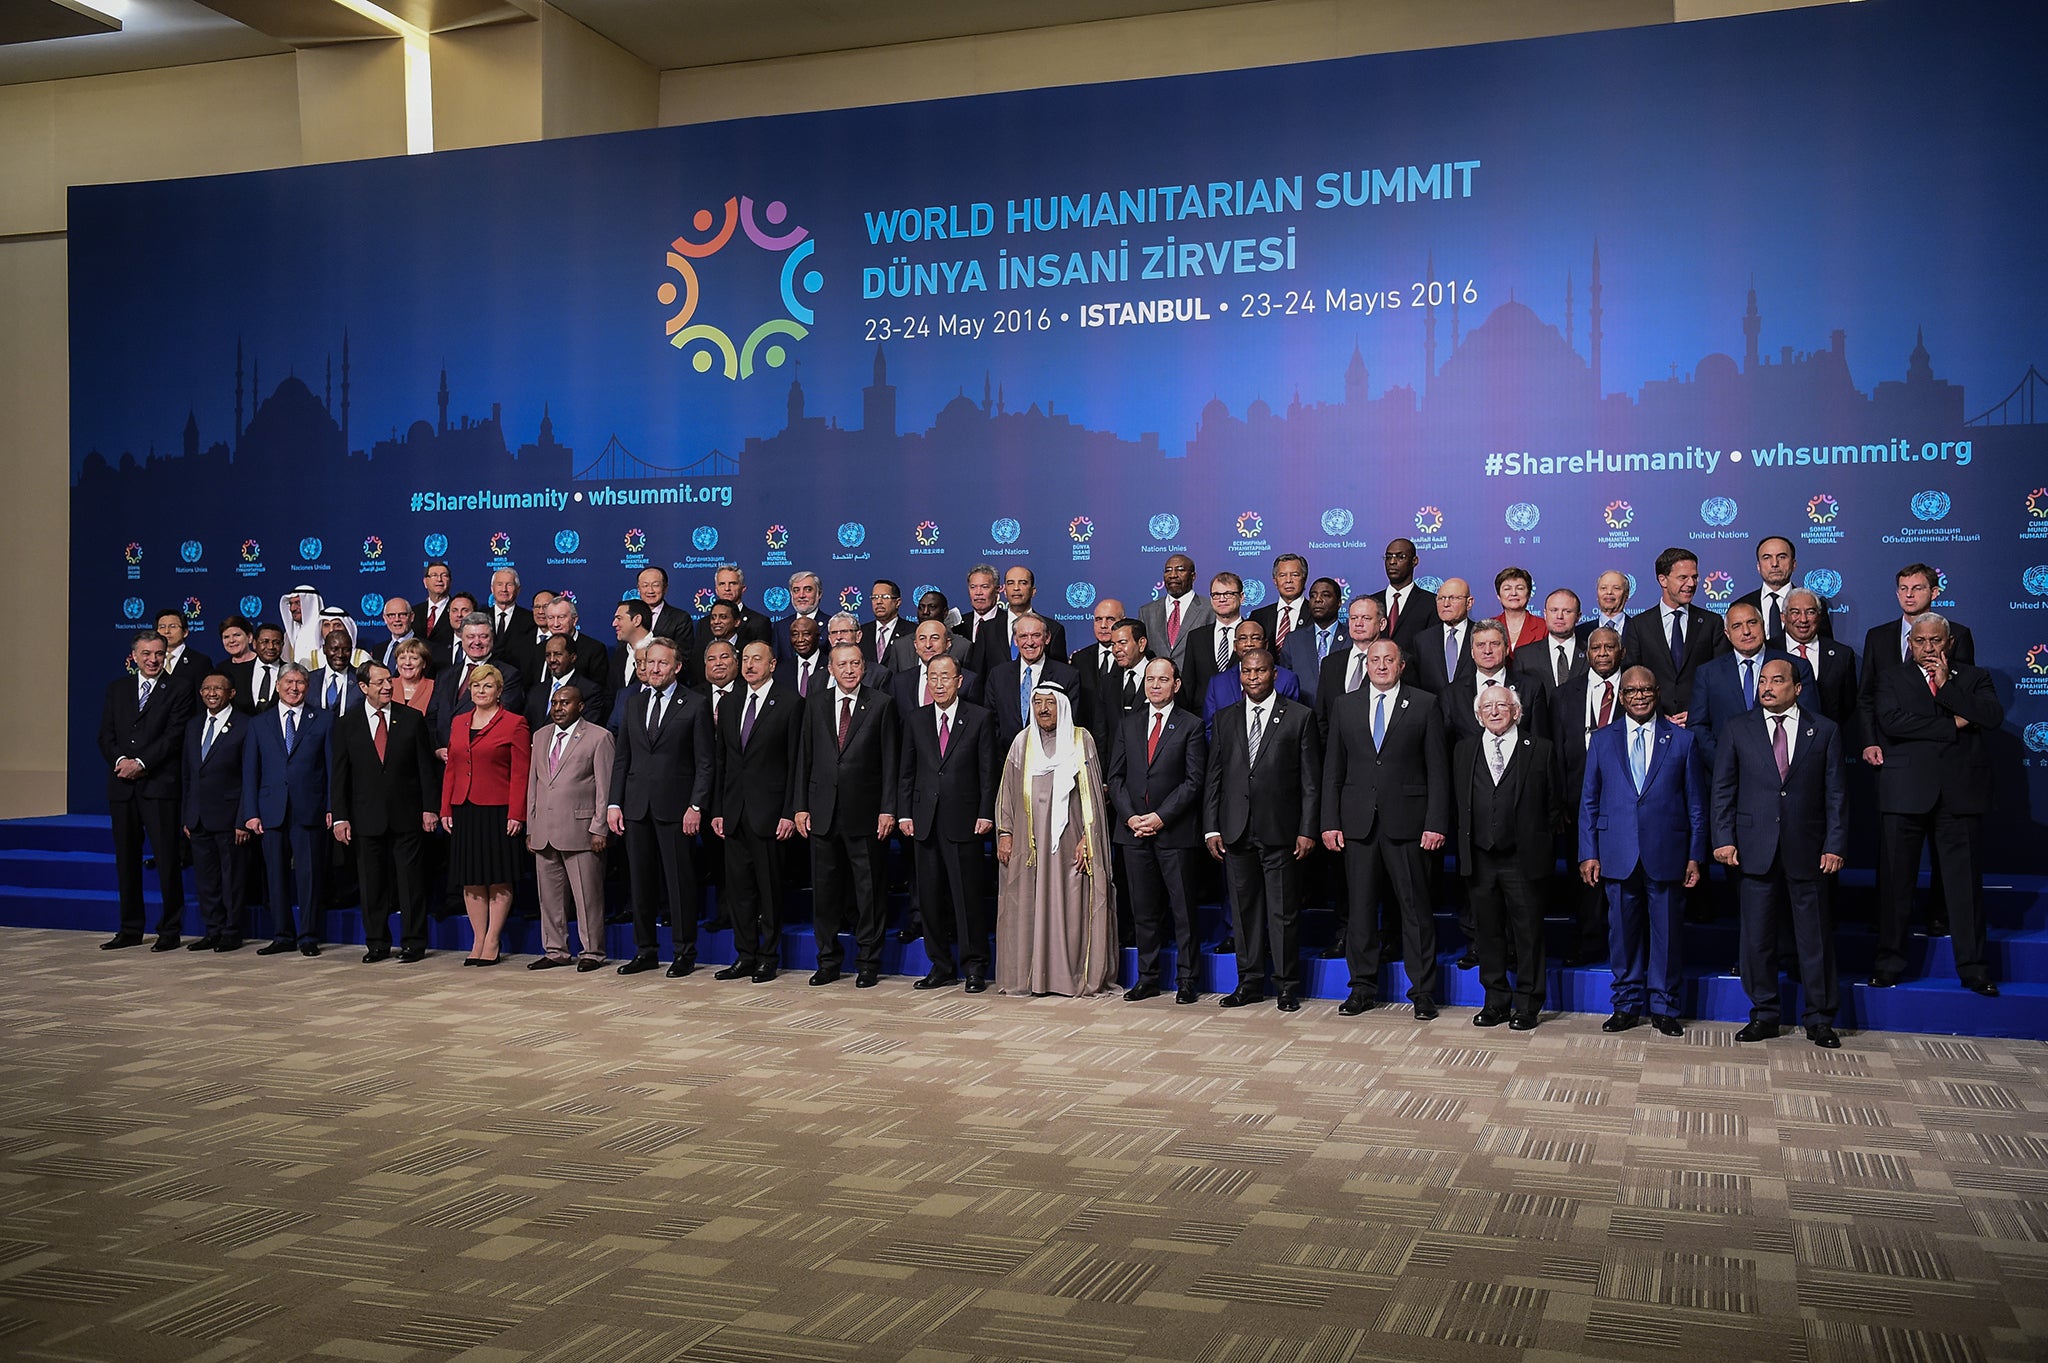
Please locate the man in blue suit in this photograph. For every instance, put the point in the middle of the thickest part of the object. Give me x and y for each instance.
(284, 799)
(1643, 833)
(1727, 686)
(1226, 688)
(212, 795)
(1778, 821)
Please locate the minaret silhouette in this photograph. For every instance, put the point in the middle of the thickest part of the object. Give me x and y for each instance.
(1429, 333)
(1593, 315)
(344, 390)
(1568, 337)
(443, 398)
(1752, 327)
(238, 390)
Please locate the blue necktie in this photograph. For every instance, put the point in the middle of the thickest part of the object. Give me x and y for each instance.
(142, 700)
(1677, 638)
(291, 731)
(333, 690)
(1024, 694)
(1379, 717)
(206, 739)
(1639, 759)
(1749, 683)
(1451, 652)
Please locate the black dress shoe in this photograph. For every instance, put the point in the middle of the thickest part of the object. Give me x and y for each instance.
(937, 979)
(908, 935)
(1468, 961)
(738, 970)
(764, 974)
(206, 943)
(1622, 1022)
(228, 944)
(1332, 952)
(547, 962)
(1141, 991)
(1937, 927)
(121, 939)
(1355, 1003)
(1187, 993)
(638, 964)
(375, 954)
(412, 954)
(1758, 1031)
(1984, 987)
(679, 967)
(867, 979)
(309, 948)
(1227, 947)
(588, 964)
(1881, 980)
(1489, 1017)
(1425, 1010)
(1240, 997)
(1668, 1026)
(1289, 1002)
(1522, 1022)
(1823, 1036)
(166, 942)
(976, 984)
(824, 976)
(276, 948)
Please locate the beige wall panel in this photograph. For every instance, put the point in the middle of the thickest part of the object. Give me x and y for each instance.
(352, 101)
(589, 84)
(487, 86)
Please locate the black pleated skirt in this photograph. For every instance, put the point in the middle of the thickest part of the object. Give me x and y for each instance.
(479, 851)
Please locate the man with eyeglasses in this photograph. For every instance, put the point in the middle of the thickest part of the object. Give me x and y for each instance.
(1211, 648)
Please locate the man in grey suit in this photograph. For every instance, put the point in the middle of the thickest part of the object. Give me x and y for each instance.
(565, 827)
(1179, 609)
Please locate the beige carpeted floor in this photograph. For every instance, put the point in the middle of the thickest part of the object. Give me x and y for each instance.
(226, 1158)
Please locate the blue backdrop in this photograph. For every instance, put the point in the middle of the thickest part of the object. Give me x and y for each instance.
(1557, 303)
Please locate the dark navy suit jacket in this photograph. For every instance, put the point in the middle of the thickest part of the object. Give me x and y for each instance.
(213, 785)
(1768, 821)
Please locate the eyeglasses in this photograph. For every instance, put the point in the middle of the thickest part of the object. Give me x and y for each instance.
(1638, 690)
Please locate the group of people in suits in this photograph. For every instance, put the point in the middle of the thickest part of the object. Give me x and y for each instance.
(1313, 748)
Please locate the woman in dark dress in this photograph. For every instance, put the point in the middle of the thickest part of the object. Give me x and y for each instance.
(483, 802)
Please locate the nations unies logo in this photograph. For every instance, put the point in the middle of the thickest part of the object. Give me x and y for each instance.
(710, 346)
(1619, 515)
(1523, 517)
(1718, 585)
(1429, 520)
(1718, 511)
(1080, 595)
(1931, 505)
(1821, 509)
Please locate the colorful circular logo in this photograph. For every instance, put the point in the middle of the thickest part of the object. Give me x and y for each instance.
(778, 537)
(701, 602)
(2035, 580)
(309, 549)
(850, 599)
(566, 541)
(1005, 530)
(132, 608)
(373, 547)
(1619, 515)
(1080, 595)
(1429, 520)
(852, 534)
(1931, 505)
(1718, 511)
(927, 534)
(133, 553)
(1941, 582)
(1337, 521)
(636, 540)
(2037, 503)
(1822, 509)
(703, 539)
(1080, 529)
(372, 604)
(776, 599)
(1250, 525)
(191, 608)
(1824, 582)
(501, 543)
(1164, 526)
(252, 606)
(709, 346)
(1718, 585)
(1524, 516)
(251, 551)
(191, 550)
(2037, 660)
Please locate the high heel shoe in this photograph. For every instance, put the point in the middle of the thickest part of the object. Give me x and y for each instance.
(492, 960)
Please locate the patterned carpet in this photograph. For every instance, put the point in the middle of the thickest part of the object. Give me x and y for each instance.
(225, 1158)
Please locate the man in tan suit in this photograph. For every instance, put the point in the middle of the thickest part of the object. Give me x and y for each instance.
(565, 828)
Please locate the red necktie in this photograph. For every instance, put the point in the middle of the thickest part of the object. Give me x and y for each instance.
(1932, 689)
(377, 733)
(1152, 743)
(1173, 623)
(1393, 610)
(845, 720)
(1282, 615)
(1606, 703)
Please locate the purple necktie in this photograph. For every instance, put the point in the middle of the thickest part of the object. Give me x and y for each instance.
(747, 720)
(1780, 749)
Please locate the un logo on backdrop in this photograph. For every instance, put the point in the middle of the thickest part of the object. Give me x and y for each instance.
(1254, 592)
(372, 604)
(1337, 522)
(1824, 582)
(309, 549)
(252, 607)
(2035, 580)
(132, 608)
(704, 538)
(1522, 517)
(1930, 505)
(1164, 526)
(1718, 511)
(435, 545)
(775, 599)
(566, 541)
(190, 551)
(852, 534)
(1081, 595)
(1005, 530)
(1429, 584)
(2037, 736)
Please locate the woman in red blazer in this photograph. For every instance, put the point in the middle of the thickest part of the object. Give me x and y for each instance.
(483, 802)
(1514, 587)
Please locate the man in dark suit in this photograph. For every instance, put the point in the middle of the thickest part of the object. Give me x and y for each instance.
(1155, 790)
(903, 650)
(593, 659)
(729, 584)
(1009, 687)
(334, 685)
(386, 797)
(1095, 671)
(1934, 782)
(558, 670)
(1443, 650)
(1833, 692)
(1211, 647)
(802, 667)
(398, 619)
(1780, 825)
(629, 627)
(910, 687)
(1289, 603)
(1386, 797)
(142, 738)
(1112, 680)
(1611, 592)
(255, 678)
(664, 617)
(1261, 816)
(662, 776)
(1178, 612)
(754, 809)
(1510, 806)
(184, 665)
(1322, 634)
(1674, 638)
(1581, 708)
(512, 624)
(1408, 609)
(847, 781)
(878, 635)
(949, 772)
(1889, 645)
(1225, 688)
(284, 803)
(1776, 564)
(991, 635)
(1557, 657)
(212, 795)
(1486, 641)
(1343, 671)
(433, 614)
(451, 688)
(805, 593)
(1726, 686)
(1643, 835)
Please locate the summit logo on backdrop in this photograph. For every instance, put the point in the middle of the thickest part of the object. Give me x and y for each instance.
(710, 346)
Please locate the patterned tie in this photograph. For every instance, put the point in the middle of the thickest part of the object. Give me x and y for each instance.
(1357, 671)
(1639, 760)
(142, 699)
(263, 688)
(1283, 616)
(291, 731)
(1024, 692)
(1677, 637)
(1152, 743)
(1749, 683)
(1222, 647)
(1252, 736)
(1173, 623)
(1379, 719)
(377, 733)
(555, 752)
(845, 720)
(945, 734)
(1606, 703)
(1500, 757)
(1780, 747)
(206, 739)
(747, 719)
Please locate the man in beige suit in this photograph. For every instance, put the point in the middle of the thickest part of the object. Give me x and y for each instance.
(565, 828)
